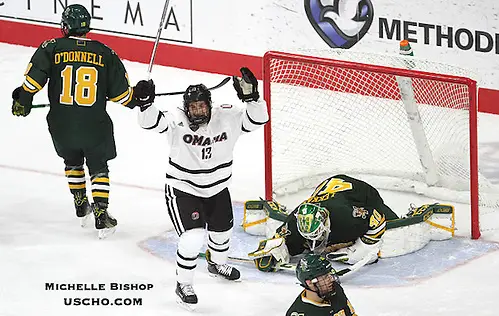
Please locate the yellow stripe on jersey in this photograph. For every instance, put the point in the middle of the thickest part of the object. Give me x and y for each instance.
(27, 89)
(378, 234)
(130, 97)
(305, 299)
(121, 96)
(34, 83)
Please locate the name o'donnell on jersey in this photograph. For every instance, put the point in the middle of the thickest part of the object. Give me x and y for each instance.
(98, 286)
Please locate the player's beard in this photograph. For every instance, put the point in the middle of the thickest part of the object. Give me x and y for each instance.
(326, 286)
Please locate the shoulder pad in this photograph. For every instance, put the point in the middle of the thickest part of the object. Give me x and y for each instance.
(48, 42)
(109, 48)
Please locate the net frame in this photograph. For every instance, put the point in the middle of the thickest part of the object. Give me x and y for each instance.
(349, 65)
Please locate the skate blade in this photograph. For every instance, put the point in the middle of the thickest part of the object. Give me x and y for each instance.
(217, 276)
(187, 306)
(106, 232)
(85, 220)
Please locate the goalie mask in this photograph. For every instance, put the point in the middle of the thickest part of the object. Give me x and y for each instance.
(197, 105)
(313, 222)
(319, 273)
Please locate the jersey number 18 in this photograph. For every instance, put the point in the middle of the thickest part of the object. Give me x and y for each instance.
(85, 86)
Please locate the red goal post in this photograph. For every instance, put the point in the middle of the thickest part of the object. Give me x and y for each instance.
(331, 116)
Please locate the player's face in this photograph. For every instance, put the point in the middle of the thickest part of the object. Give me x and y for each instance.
(198, 109)
(324, 285)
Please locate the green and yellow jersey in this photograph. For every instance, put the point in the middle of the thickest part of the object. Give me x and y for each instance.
(82, 75)
(356, 210)
(339, 305)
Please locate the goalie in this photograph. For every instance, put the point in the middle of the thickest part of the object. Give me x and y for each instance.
(346, 220)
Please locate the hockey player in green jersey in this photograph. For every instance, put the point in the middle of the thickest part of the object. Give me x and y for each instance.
(323, 294)
(82, 75)
(344, 217)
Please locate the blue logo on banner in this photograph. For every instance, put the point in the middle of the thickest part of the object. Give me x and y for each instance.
(340, 23)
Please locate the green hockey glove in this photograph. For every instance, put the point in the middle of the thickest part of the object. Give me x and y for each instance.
(19, 109)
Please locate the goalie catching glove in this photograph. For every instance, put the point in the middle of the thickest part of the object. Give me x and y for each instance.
(246, 86)
(270, 253)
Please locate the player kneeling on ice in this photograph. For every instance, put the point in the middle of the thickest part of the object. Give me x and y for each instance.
(346, 220)
(323, 294)
(202, 137)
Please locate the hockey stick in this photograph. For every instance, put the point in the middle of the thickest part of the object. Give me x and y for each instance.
(156, 42)
(38, 106)
(219, 85)
(292, 267)
(286, 266)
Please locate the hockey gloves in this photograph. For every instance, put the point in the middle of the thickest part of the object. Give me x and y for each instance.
(270, 253)
(246, 86)
(19, 109)
(144, 94)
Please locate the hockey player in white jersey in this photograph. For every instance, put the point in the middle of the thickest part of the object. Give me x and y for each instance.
(202, 137)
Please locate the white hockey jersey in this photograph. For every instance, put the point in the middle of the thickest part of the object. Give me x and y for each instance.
(200, 162)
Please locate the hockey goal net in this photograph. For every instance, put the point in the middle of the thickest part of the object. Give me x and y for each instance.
(397, 122)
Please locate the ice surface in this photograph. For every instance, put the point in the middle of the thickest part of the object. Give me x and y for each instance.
(41, 241)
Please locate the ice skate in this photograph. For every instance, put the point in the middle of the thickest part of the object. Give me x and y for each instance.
(187, 298)
(83, 209)
(104, 222)
(222, 270)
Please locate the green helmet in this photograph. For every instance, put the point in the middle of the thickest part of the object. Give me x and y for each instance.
(312, 221)
(319, 271)
(75, 20)
(312, 266)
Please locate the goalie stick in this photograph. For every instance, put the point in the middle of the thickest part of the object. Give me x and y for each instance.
(219, 85)
(292, 267)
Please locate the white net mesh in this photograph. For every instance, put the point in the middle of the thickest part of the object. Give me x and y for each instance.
(328, 119)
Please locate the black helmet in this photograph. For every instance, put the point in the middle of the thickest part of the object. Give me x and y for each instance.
(75, 20)
(312, 267)
(194, 93)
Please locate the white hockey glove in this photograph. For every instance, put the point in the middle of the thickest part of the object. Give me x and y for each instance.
(270, 253)
(246, 86)
(355, 253)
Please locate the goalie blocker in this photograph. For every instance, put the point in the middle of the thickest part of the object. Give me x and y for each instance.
(403, 236)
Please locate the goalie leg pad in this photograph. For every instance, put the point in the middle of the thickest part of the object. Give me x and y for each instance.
(262, 217)
(255, 218)
(417, 229)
